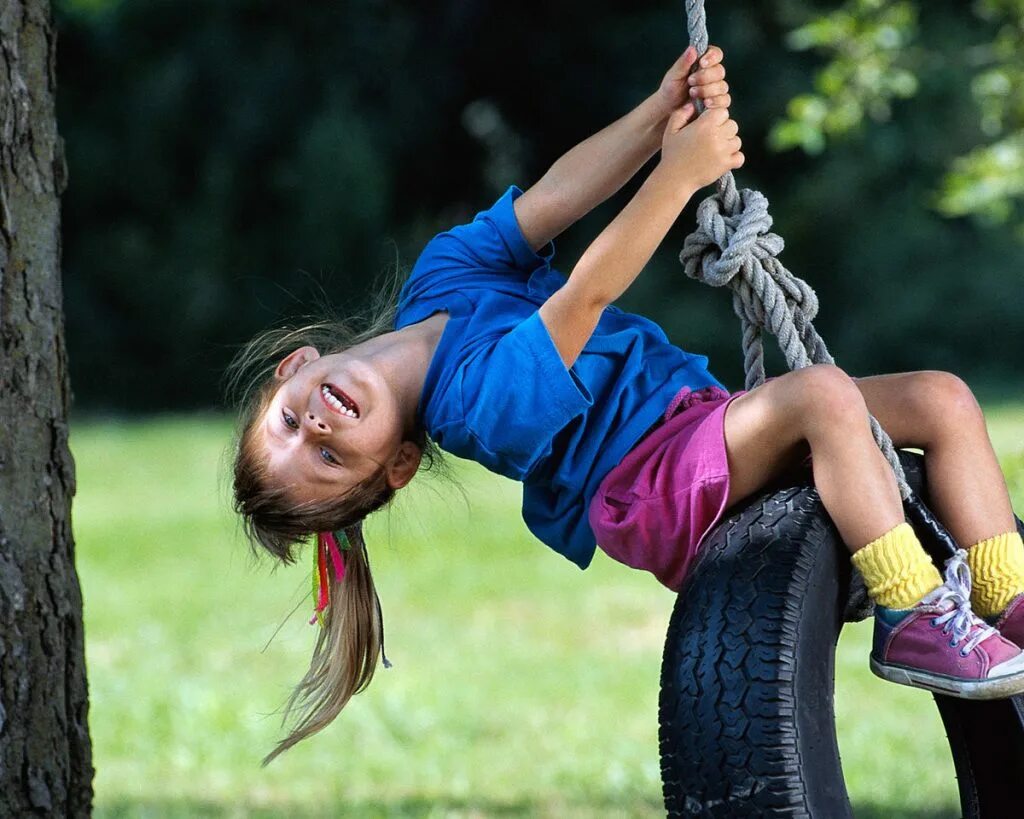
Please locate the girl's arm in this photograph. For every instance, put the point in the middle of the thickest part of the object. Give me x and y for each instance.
(596, 168)
(692, 156)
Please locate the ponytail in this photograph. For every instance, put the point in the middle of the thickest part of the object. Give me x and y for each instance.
(348, 643)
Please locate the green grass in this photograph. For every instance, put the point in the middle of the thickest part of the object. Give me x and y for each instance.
(521, 686)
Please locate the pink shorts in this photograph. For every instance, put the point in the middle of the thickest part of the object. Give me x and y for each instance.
(653, 510)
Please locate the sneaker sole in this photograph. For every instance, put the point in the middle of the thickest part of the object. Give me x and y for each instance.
(993, 689)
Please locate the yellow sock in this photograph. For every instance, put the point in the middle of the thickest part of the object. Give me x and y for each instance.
(896, 569)
(997, 572)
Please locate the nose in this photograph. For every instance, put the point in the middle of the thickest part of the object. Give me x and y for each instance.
(317, 423)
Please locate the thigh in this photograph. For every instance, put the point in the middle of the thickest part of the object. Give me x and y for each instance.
(903, 404)
(764, 429)
(762, 441)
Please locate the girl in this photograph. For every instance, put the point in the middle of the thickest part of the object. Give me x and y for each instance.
(619, 437)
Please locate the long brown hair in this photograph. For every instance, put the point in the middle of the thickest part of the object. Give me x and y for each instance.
(347, 647)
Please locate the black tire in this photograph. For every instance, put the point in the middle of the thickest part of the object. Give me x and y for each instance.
(747, 726)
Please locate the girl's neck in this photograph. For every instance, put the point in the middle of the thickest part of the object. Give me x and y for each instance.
(402, 357)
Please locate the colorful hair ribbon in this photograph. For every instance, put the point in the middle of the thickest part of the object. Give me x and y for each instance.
(328, 546)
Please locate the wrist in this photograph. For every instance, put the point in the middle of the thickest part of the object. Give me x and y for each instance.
(669, 176)
(654, 116)
(657, 109)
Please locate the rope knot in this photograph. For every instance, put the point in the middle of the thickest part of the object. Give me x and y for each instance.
(732, 231)
(733, 246)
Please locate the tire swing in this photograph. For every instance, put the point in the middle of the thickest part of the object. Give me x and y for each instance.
(746, 719)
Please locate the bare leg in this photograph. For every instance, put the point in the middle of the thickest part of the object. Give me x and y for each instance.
(818, 408)
(823, 409)
(935, 411)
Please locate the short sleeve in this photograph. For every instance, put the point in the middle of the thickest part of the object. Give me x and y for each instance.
(490, 252)
(518, 395)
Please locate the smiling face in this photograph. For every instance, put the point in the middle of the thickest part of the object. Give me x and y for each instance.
(332, 424)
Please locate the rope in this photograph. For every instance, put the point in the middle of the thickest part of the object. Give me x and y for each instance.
(733, 247)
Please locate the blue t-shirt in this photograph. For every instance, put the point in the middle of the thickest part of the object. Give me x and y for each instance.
(497, 391)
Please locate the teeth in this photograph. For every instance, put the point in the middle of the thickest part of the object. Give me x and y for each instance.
(331, 399)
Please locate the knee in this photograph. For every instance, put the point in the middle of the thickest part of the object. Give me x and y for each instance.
(829, 399)
(945, 400)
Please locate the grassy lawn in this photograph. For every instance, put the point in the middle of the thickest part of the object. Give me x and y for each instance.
(521, 686)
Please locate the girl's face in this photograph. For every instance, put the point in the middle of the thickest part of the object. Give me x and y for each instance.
(332, 423)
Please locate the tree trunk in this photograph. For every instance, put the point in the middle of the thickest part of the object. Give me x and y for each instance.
(45, 752)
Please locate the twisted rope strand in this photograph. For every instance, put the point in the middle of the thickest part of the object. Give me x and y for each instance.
(734, 247)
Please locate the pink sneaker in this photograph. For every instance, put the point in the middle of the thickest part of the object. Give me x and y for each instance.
(940, 644)
(1011, 622)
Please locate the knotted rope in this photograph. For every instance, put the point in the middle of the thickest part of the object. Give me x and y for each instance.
(733, 247)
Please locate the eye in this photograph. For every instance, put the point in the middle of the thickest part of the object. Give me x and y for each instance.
(326, 455)
(289, 420)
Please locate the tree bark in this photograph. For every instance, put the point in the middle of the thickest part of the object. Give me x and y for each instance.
(45, 752)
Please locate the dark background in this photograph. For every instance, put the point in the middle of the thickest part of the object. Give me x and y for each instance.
(231, 160)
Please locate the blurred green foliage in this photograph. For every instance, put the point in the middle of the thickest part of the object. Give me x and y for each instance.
(877, 51)
(869, 40)
(232, 161)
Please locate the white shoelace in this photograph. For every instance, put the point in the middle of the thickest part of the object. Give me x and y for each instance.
(960, 619)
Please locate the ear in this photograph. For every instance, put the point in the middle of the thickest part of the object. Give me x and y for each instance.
(291, 363)
(404, 465)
